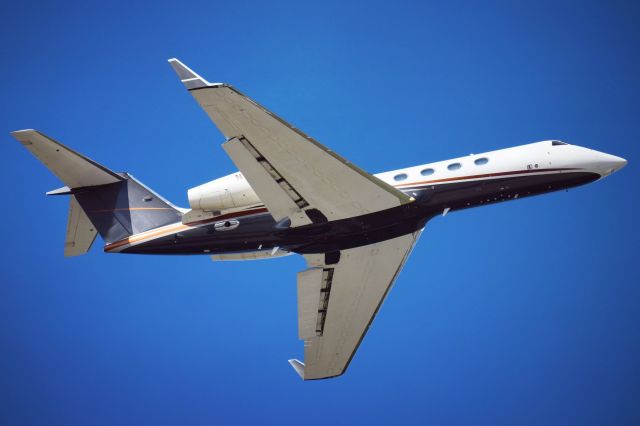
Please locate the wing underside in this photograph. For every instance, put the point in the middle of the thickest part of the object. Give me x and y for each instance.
(337, 303)
(294, 175)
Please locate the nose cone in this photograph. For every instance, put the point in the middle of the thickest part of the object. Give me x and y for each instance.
(610, 163)
(581, 158)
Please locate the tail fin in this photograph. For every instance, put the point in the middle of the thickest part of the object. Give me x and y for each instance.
(116, 204)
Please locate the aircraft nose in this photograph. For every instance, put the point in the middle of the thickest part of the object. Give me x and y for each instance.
(620, 163)
(610, 163)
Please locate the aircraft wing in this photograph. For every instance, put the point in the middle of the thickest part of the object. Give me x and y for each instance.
(337, 303)
(294, 175)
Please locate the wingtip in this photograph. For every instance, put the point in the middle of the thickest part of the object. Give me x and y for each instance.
(23, 131)
(188, 77)
(298, 366)
(24, 136)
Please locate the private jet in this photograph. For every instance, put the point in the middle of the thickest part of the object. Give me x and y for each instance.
(293, 195)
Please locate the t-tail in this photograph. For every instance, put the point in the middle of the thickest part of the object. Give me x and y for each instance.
(115, 205)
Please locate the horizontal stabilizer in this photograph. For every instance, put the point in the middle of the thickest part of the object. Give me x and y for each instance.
(72, 168)
(298, 366)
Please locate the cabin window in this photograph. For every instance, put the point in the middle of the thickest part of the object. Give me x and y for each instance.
(454, 166)
(401, 176)
(481, 161)
(557, 143)
(427, 172)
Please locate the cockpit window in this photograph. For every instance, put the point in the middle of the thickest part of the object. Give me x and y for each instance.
(556, 143)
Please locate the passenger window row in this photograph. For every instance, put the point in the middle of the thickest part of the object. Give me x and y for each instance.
(453, 166)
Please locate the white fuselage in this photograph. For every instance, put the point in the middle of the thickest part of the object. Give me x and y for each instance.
(232, 192)
(541, 156)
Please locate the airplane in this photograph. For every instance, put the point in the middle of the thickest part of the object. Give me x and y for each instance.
(293, 195)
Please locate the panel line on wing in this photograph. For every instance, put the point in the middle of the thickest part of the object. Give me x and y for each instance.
(281, 181)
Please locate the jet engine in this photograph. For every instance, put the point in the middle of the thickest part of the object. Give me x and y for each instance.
(227, 192)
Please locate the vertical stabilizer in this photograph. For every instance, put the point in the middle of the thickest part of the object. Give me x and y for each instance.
(115, 205)
(125, 208)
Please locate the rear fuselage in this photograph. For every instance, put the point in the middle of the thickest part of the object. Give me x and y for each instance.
(437, 188)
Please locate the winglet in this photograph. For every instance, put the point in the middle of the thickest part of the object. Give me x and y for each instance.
(189, 78)
(298, 366)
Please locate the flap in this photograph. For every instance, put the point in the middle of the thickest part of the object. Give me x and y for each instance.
(309, 298)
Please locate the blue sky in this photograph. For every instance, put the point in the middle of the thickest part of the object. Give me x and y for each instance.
(526, 312)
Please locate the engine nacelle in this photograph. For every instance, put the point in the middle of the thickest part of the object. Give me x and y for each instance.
(227, 192)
